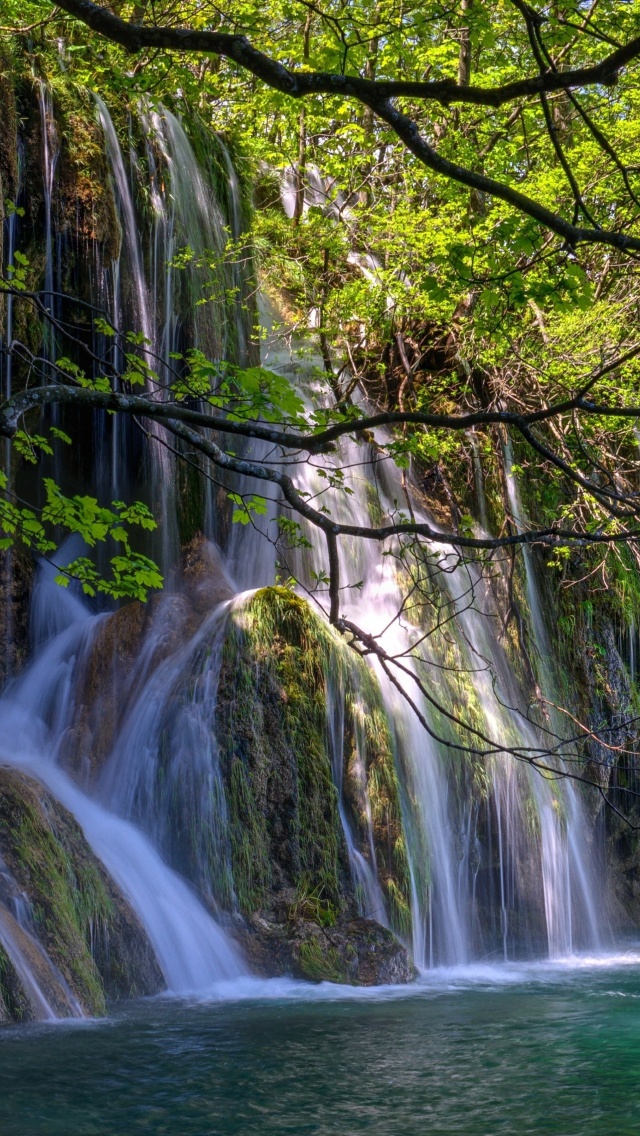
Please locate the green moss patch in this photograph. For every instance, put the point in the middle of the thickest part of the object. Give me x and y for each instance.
(285, 828)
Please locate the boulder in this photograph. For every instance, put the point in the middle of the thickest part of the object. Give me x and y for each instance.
(355, 951)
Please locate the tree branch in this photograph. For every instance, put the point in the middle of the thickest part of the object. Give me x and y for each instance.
(377, 93)
(135, 37)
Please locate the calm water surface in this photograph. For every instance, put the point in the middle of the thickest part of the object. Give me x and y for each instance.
(546, 1049)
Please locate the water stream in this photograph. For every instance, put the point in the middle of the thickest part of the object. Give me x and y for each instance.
(192, 950)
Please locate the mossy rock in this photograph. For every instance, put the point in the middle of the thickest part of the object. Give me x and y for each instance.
(14, 1003)
(284, 820)
(80, 919)
(354, 952)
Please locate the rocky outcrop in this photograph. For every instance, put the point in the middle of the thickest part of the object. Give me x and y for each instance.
(286, 790)
(78, 934)
(293, 745)
(356, 951)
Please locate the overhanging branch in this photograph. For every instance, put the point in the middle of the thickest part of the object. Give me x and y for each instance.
(377, 95)
(135, 37)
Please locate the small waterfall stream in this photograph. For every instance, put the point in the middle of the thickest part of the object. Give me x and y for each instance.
(51, 153)
(48, 995)
(547, 852)
(163, 772)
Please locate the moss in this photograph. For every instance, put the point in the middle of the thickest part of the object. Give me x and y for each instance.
(251, 865)
(318, 965)
(80, 919)
(283, 805)
(69, 899)
(312, 905)
(280, 662)
(283, 814)
(14, 1005)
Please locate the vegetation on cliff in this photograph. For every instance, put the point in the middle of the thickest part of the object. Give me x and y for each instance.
(465, 306)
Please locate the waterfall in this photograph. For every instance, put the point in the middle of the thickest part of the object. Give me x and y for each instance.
(533, 840)
(130, 228)
(478, 477)
(367, 885)
(567, 870)
(498, 858)
(233, 186)
(6, 371)
(50, 155)
(142, 320)
(163, 772)
(174, 308)
(193, 951)
(47, 992)
(440, 930)
(11, 226)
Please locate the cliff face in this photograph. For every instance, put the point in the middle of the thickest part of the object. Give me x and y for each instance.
(270, 774)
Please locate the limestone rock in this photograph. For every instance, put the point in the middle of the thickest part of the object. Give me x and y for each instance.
(129, 645)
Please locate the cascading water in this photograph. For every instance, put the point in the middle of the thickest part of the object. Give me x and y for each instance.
(50, 154)
(164, 772)
(142, 320)
(572, 884)
(47, 993)
(127, 215)
(498, 864)
(185, 217)
(6, 371)
(436, 899)
(450, 921)
(192, 949)
(368, 890)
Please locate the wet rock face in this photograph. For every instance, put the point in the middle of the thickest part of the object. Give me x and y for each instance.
(286, 832)
(355, 951)
(62, 919)
(127, 648)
